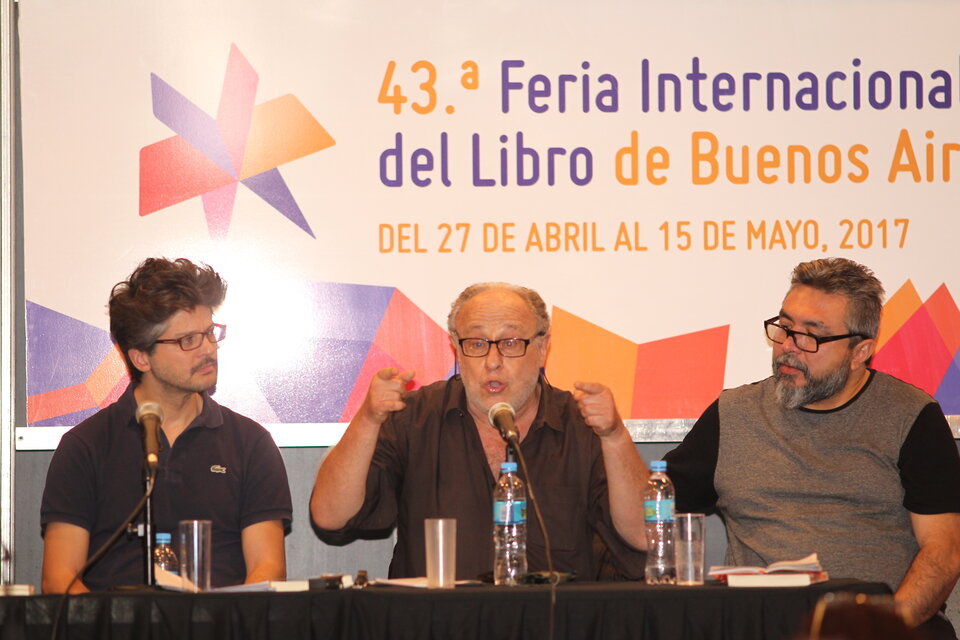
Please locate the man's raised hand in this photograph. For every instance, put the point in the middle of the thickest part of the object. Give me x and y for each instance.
(385, 394)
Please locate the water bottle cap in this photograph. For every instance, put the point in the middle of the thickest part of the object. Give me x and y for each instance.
(508, 467)
(163, 538)
(658, 465)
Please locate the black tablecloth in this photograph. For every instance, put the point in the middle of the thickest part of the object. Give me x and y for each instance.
(589, 610)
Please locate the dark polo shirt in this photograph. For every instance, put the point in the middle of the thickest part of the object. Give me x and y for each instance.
(223, 467)
(429, 462)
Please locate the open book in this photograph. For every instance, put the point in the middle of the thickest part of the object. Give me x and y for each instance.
(785, 573)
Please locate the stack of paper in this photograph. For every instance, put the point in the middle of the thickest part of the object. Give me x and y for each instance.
(267, 585)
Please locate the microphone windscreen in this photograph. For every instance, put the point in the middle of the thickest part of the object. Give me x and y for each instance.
(149, 409)
(499, 409)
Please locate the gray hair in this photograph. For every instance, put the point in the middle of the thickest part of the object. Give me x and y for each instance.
(854, 281)
(536, 304)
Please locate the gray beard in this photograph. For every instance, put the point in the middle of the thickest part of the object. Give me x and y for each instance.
(815, 390)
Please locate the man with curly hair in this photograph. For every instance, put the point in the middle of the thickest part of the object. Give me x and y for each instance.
(214, 464)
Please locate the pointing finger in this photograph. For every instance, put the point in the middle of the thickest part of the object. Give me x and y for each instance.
(387, 373)
(590, 388)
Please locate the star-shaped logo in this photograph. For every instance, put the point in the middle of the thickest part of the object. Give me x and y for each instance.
(245, 143)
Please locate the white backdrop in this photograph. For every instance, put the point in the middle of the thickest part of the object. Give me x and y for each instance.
(88, 112)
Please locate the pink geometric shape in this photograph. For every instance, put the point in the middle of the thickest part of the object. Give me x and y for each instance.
(218, 208)
(376, 359)
(679, 377)
(172, 171)
(43, 406)
(236, 106)
(414, 340)
(916, 353)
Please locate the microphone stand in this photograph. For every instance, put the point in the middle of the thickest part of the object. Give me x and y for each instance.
(514, 454)
(151, 475)
(151, 478)
(150, 416)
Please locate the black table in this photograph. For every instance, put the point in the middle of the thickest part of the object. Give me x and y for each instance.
(588, 610)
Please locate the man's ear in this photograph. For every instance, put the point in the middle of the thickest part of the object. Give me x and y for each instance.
(863, 352)
(456, 349)
(139, 359)
(544, 347)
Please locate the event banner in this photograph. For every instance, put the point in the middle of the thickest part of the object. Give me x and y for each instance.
(655, 170)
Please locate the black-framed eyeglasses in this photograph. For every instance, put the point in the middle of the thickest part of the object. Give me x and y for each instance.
(191, 341)
(804, 341)
(508, 347)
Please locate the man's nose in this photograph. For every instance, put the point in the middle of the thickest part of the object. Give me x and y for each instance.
(208, 345)
(493, 359)
(790, 344)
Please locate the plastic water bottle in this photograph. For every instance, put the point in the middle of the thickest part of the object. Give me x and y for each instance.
(163, 556)
(658, 514)
(509, 527)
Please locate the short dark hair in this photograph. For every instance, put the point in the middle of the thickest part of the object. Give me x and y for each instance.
(141, 305)
(852, 280)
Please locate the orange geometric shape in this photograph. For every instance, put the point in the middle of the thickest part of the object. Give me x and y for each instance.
(282, 130)
(946, 317)
(172, 171)
(116, 392)
(679, 377)
(105, 377)
(59, 402)
(582, 351)
(898, 309)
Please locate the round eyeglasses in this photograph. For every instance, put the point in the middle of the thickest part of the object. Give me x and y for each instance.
(191, 341)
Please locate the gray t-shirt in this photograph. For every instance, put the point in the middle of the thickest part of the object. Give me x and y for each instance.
(838, 482)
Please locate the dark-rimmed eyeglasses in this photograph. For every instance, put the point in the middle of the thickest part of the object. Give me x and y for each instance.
(804, 341)
(191, 341)
(508, 347)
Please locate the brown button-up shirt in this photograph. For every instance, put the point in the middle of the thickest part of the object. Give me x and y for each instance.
(429, 463)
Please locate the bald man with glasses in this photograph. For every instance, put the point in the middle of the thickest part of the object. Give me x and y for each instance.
(433, 453)
(830, 456)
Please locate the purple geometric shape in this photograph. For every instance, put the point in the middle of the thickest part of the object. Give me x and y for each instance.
(61, 351)
(347, 318)
(453, 371)
(348, 311)
(330, 366)
(948, 394)
(189, 122)
(270, 186)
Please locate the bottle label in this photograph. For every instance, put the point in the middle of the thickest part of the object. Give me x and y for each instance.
(658, 510)
(514, 512)
(157, 568)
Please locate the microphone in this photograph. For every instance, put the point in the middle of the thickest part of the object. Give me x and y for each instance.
(150, 416)
(501, 415)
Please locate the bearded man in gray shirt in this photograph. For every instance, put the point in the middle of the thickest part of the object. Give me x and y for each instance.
(830, 456)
